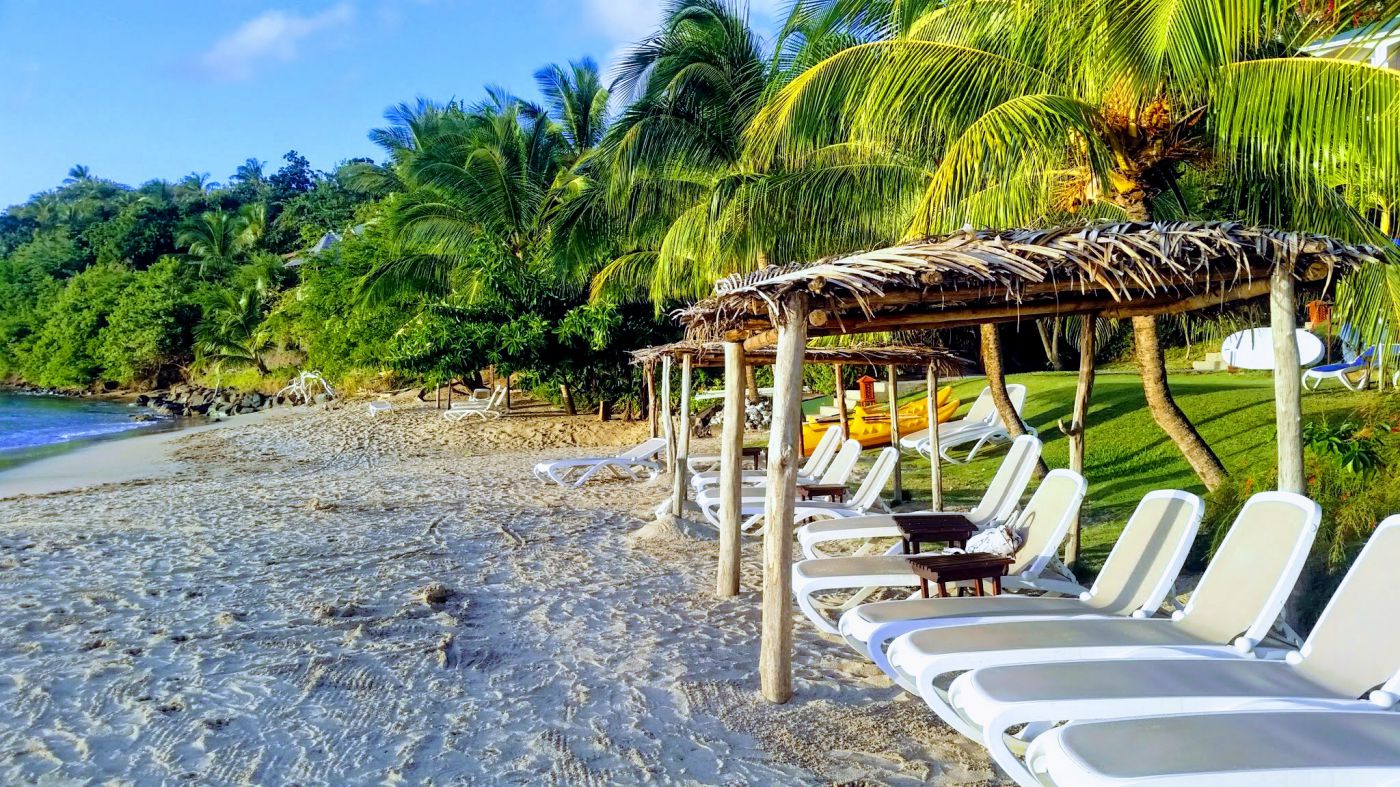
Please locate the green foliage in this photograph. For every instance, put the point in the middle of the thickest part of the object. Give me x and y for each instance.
(138, 235)
(68, 343)
(1355, 448)
(150, 327)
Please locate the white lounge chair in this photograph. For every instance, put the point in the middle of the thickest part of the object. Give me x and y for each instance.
(1042, 525)
(809, 473)
(1353, 648)
(982, 425)
(481, 408)
(1232, 610)
(379, 408)
(1354, 375)
(996, 505)
(628, 464)
(838, 471)
(1137, 575)
(1238, 749)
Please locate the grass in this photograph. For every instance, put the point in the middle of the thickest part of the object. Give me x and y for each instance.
(1126, 454)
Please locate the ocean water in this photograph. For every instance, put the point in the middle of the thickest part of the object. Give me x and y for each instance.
(32, 427)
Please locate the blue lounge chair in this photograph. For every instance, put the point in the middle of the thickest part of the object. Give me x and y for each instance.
(1355, 375)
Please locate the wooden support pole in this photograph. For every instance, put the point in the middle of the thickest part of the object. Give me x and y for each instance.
(450, 385)
(1078, 421)
(507, 393)
(679, 476)
(668, 427)
(1288, 402)
(775, 649)
(936, 470)
(751, 378)
(841, 414)
(892, 384)
(652, 415)
(731, 471)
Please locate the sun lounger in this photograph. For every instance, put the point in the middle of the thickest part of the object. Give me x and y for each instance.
(838, 471)
(628, 464)
(1139, 572)
(481, 408)
(982, 425)
(996, 505)
(1238, 749)
(379, 408)
(809, 473)
(1354, 375)
(1354, 647)
(1231, 611)
(1042, 525)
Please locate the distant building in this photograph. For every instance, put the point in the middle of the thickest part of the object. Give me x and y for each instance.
(1378, 45)
(328, 240)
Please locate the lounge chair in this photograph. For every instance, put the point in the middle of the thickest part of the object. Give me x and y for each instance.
(1353, 648)
(1237, 749)
(628, 464)
(1231, 612)
(481, 408)
(379, 408)
(996, 506)
(981, 425)
(1043, 524)
(838, 471)
(1354, 375)
(1139, 572)
(809, 473)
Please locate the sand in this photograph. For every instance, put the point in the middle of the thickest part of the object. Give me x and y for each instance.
(325, 597)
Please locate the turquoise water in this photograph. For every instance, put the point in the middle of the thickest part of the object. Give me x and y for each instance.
(32, 427)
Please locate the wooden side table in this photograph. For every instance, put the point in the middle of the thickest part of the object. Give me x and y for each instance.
(835, 492)
(975, 567)
(758, 454)
(940, 528)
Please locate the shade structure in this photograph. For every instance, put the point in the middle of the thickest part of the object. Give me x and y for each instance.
(710, 355)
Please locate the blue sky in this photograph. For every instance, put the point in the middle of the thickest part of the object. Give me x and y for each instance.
(139, 89)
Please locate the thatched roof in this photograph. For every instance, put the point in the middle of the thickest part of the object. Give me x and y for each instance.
(711, 355)
(972, 277)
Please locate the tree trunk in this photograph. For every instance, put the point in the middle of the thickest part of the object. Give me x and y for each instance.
(751, 379)
(996, 381)
(1049, 330)
(1288, 402)
(567, 395)
(604, 410)
(1165, 410)
(1077, 426)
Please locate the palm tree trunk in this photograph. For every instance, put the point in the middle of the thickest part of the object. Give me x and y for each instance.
(1049, 330)
(996, 381)
(567, 395)
(1165, 410)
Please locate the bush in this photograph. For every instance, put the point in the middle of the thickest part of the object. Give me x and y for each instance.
(151, 326)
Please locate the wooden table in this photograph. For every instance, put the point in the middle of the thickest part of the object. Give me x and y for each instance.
(934, 528)
(836, 492)
(975, 567)
(757, 453)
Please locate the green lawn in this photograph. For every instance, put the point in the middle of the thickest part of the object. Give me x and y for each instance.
(1127, 455)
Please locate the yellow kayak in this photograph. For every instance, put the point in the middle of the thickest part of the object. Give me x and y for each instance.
(871, 426)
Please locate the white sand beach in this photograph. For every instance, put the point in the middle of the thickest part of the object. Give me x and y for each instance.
(323, 597)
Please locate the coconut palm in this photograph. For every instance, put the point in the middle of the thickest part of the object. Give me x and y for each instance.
(78, 173)
(232, 333)
(1037, 111)
(577, 100)
(253, 220)
(212, 240)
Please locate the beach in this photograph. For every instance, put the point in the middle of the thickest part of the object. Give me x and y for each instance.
(317, 596)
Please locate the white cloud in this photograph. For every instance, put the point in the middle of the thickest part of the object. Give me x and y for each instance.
(270, 37)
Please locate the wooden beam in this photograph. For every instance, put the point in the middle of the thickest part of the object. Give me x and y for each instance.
(1288, 402)
(775, 649)
(731, 472)
(679, 478)
(841, 414)
(892, 394)
(1078, 420)
(936, 470)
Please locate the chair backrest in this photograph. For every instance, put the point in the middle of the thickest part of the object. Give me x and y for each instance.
(983, 408)
(823, 452)
(1009, 483)
(646, 450)
(843, 464)
(498, 398)
(1355, 645)
(1248, 580)
(1149, 553)
(1046, 520)
(868, 494)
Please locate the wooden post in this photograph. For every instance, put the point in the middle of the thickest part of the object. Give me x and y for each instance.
(449, 393)
(751, 378)
(731, 471)
(1079, 419)
(936, 471)
(892, 383)
(507, 393)
(775, 650)
(841, 413)
(652, 415)
(679, 479)
(1288, 403)
(668, 428)
(437, 397)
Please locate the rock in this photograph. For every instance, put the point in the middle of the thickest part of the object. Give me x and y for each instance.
(142, 417)
(141, 400)
(341, 609)
(436, 594)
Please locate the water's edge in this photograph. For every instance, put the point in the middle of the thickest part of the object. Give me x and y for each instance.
(37, 426)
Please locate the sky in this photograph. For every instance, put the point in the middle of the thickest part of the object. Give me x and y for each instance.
(142, 89)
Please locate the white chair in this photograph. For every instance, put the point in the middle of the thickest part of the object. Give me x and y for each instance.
(982, 425)
(379, 408)
(811, 470)
(1237, 749)
(1353, 648)
(754, 500)
(996, 506)
(1042, 526)
(1137, 575)
(1231, 611)
(628, 464)
(481, 408)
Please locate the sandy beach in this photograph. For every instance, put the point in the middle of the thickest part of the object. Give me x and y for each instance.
(323, 597)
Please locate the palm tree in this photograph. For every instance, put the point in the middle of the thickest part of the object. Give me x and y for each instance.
(250, 172)
(577, 100)
(253, 219)
(78, 173)
(194, 184)
(1037, 111)
(231, 331)
(213, 240)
